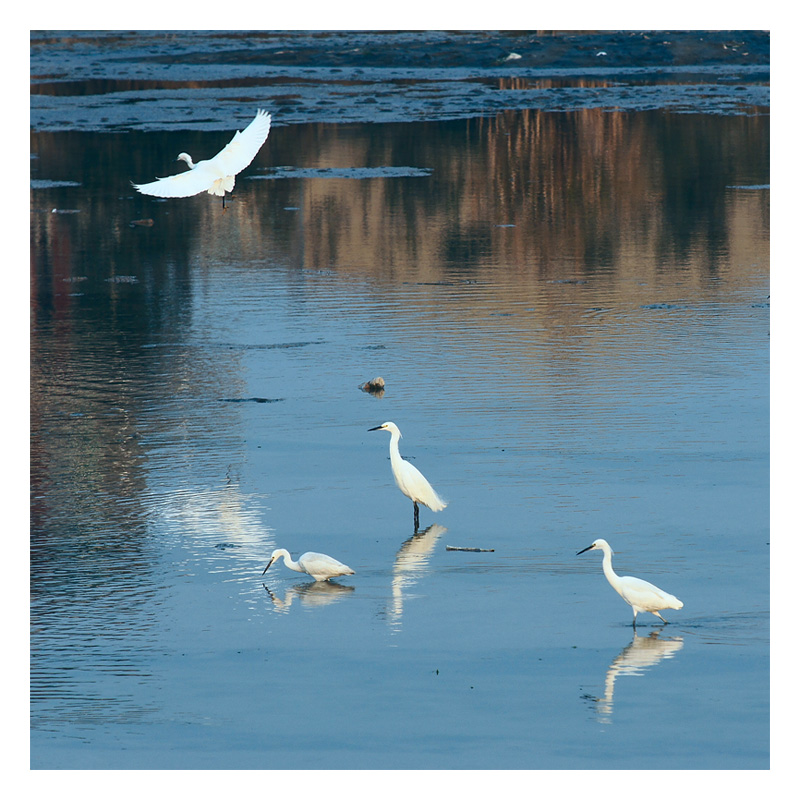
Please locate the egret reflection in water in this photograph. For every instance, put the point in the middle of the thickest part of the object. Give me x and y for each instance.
(314, 594)
(643, 652)
(410, 564)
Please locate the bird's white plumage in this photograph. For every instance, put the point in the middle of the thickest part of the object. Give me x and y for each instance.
(637, 593)
(216, 175)
(319, 566)
(411, 482)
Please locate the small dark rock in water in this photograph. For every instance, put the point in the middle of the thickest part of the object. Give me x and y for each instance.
(376, 386)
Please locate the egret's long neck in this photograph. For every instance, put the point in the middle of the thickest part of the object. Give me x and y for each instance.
(608, 570)
(394, 448)
(287, 559)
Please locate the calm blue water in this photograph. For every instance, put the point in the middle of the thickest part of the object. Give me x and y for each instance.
(571, 314)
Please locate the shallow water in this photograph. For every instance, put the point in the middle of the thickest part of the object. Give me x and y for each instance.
(571, 314)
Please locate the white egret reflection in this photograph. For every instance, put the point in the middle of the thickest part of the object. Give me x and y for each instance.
(635, 659)
(410, 564)
(313, 594)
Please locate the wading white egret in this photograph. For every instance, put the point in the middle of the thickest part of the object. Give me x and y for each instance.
(216, 175)
(639, 594)
(411, 482)
(319, 566)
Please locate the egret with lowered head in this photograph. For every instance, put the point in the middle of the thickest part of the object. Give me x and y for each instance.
(639, 594)
(216, 175)
(319, 566)
(411, 482)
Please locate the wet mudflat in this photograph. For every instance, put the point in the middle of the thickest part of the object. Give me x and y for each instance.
(570, 309)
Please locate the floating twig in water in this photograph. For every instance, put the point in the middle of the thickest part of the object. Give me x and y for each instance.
(250, 399)
(471, 549)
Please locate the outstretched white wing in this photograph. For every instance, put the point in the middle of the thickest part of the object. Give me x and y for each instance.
(185, 184)
(231, 160)
(242, 149)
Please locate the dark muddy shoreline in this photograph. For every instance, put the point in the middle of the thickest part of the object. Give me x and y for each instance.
(193, 80)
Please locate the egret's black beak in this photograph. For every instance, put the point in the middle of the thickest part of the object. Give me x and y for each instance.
(267, 567)
(379, 428)
(577, 554)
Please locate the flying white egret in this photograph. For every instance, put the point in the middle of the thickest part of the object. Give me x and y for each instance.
(319, 566)
(216, 175)
(411, 482)
(639, 594)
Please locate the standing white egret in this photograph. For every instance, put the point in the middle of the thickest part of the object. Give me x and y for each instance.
(411, 482)
(216, 175)
(319, 566)
(639, 594)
